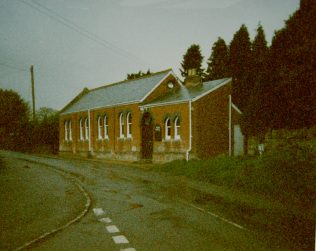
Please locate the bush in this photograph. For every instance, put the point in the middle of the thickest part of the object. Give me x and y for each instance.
(287, 173)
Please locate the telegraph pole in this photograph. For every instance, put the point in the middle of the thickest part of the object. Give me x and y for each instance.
(33, 92)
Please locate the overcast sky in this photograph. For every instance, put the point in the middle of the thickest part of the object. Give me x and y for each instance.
(88, 43)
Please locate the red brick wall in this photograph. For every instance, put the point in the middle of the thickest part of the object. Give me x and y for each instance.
(114, 144)
(172, 146)
(163, 88)
(209, 128)
(210, 120)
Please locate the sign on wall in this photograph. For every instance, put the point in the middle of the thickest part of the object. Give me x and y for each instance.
(158, 136)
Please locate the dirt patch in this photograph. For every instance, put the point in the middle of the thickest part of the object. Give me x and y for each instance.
(135, 205)
(170, 216)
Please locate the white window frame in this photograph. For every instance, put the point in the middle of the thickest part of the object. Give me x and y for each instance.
(177, 135)
(81, 129)
(70, 130)
(66, 130)
(105, 127)
(121, 125)
(129, 125)
(86, 127)
(167, 129)
(100, 124)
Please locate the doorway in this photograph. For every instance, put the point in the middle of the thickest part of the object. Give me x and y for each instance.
(147, 136)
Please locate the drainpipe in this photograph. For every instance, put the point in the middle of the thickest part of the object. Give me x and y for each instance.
(89, 130)
(230, 125)
(190, 131)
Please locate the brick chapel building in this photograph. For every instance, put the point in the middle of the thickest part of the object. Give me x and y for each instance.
(154, 117)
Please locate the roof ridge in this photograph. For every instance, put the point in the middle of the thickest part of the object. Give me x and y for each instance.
(131, 80)
(222, 79)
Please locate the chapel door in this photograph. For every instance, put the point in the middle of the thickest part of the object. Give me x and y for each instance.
(147, 136)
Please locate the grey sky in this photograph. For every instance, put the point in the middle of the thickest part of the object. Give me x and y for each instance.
(87, 43)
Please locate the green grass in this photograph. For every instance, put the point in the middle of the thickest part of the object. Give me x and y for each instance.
(287, 174)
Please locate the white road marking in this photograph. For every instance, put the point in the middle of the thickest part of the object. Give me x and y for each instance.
(105, 220)
(217, 216)
(128, 249)
(112, 229)
(120, 239)
(98, 211)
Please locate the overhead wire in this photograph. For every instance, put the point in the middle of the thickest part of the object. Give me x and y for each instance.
(82, 31)
(12, 67)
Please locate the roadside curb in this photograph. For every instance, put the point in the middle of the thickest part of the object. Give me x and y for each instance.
(87, 206)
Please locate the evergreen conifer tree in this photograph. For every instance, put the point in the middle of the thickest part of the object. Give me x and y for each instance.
(192, 59)
(218, 62)
(256, 117)
(240, 61)
(293, 75)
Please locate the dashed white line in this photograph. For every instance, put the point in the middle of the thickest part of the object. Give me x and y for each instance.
(105, 220)
(112, 229)
(217, 216)
(98, 211)
(120, 239)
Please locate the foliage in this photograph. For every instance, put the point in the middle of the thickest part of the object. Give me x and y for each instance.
(287, 173)
(192, 59)
(14, 113)
(44, 113)
(293, 75)
(45, 134)
(218, 62)
(240, 61)
(137, 75)
(256, 109)
(18, 133)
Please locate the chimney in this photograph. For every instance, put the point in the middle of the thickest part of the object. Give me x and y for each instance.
(192, 79)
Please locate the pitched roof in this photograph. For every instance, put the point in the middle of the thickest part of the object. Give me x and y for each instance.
(129, 91)
(192, 93)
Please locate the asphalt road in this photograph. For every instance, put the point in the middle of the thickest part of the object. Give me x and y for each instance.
(127, 208)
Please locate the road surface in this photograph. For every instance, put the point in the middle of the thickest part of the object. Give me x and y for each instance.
(62, 204)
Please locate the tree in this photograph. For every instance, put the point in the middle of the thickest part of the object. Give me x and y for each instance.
(293, 64)
(255, 118)
(137, 75)
(14, 114)
(192, 59)
(44, 113)
(218, 62)
(45, 136)
(240, 61)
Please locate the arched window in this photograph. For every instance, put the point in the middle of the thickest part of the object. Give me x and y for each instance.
(177, 128)
(121, 125)
(86, 126)
(81, 129)
(70, 130)
(129, 125)
(106, 126)
(167, 128)
(66, 130)
(100, 125)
